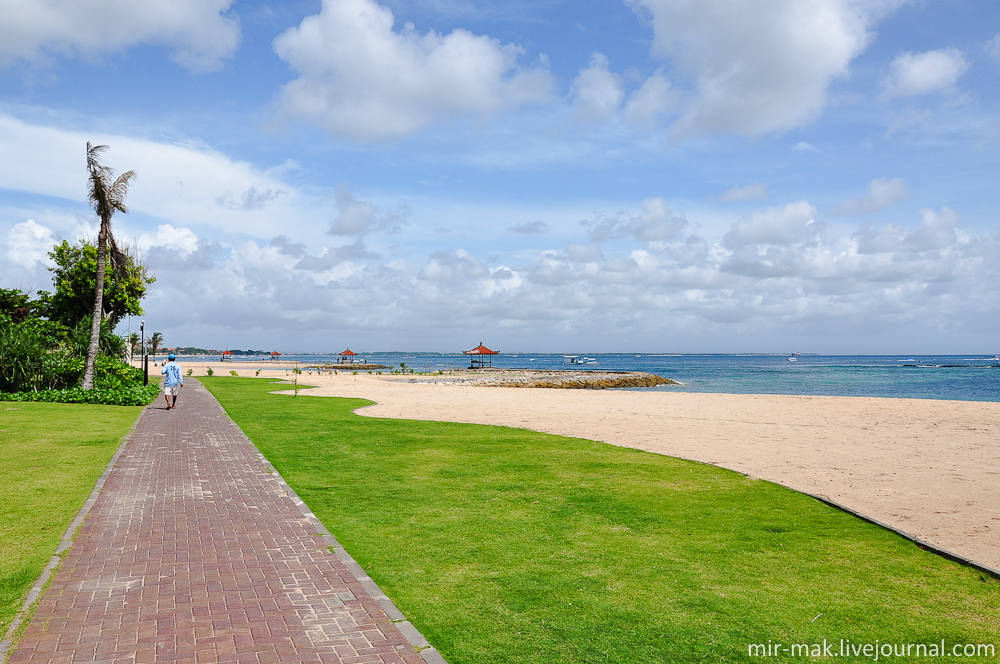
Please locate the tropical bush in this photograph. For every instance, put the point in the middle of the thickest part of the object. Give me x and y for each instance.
(134, 395)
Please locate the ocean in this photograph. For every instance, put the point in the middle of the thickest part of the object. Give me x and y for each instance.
(956, 377)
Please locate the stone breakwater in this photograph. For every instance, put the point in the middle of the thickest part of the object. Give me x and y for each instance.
(566, 380)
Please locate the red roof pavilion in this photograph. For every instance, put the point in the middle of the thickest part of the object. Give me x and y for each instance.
(347, 356)
(275, 355)
(226, 353)
(481, 356)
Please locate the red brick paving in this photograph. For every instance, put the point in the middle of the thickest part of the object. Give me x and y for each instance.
(194, 552)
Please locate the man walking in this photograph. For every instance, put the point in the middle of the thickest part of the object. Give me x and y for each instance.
(173, 382)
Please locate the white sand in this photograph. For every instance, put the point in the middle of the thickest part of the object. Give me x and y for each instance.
(926, 467)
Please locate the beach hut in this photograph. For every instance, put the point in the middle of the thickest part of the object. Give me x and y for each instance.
(275, 355)
(227, 355)
(481, 356)
(347, 357)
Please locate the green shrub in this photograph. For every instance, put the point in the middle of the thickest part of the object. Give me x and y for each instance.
(233, 373)
(209, 372)
(137, 395)
(112, 374)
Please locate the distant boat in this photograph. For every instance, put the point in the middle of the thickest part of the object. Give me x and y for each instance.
(793, 359)
(578, 359)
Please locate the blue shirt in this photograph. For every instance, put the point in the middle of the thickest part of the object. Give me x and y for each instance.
(173, 372)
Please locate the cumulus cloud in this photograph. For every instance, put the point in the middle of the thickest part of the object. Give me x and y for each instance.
(750, 192)
(450, 266)
(355, 217)
(881, 194)
(199, 32)
(778, 271)
(182, 240)
(936, 231)
(332, 257)
(28, 244)
(654, 100)
(756, 67)
(655, 223)
(914, 74)
(782, 225)
(362, 79)
(596, 91)
(536, 227)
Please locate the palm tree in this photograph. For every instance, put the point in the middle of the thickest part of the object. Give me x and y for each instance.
(107, 196)
(155, 341)
(133, 343)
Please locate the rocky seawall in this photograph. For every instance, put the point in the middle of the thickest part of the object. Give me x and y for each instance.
(565, 380)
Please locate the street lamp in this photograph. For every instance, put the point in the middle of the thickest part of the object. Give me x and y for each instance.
(145, 362)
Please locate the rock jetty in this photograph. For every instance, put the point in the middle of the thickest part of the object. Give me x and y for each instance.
(567, 380)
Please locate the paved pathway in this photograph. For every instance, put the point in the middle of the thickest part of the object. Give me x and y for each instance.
(196, 552)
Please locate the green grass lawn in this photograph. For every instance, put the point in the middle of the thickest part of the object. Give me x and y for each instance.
(51, 455)
(506, 545)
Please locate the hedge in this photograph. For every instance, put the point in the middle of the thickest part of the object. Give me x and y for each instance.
(139, 395)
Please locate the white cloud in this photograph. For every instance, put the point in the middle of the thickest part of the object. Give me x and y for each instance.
(653, 100)
(28, 244)
(783, 225)
(596, 92)
(750, 192)
(199, 32)
(993, 47)
(356, 217)
(802, 146)
(914, 74)
(450, 266)
(756, 67)
(182, 183)
(362, 79)
(181, 240)
(655, 223)
(936, 231)
(536, 227)
(881, 194)
(776, 272)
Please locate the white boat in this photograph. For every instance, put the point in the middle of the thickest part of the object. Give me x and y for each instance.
(793, 359)
(578, 359)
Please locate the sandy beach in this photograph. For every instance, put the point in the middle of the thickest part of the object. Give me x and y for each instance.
(926, 467)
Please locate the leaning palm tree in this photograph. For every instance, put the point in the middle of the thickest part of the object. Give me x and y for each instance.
(107, 195)
(155, 341)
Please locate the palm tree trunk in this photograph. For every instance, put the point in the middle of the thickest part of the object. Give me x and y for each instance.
(98, 314)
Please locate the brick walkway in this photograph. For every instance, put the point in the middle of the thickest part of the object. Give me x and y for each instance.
(195, 552)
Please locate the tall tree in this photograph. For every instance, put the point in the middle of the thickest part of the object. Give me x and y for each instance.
(155, 341)
(133, 344)
(74, 275)
(107, 196)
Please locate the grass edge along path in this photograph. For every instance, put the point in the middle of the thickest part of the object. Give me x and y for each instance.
(507, 545)
(51, 457)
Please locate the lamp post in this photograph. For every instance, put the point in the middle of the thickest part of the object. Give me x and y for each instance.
(145, 362)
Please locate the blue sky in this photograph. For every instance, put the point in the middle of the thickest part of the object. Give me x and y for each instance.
(638, 176)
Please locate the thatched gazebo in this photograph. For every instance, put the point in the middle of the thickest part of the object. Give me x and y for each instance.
(347, 357)
(480, 356)
(226, 355)
(275, 355)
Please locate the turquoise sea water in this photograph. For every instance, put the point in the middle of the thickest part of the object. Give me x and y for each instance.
(958, 377)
